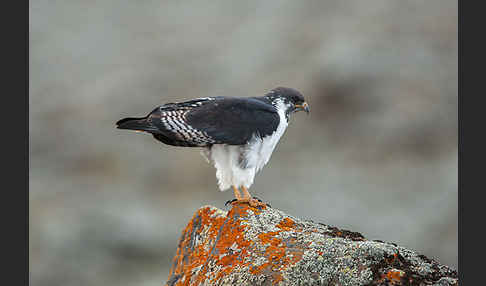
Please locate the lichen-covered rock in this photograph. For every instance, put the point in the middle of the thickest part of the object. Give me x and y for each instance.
(250, 246)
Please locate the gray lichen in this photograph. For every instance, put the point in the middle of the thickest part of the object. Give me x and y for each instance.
(273, 248)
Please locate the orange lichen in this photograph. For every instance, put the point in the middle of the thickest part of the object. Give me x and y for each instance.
(279, 256)
(286, 224)
(277, 277)
(393, 276)
(220, 241)
(189, 255)
(245, 207)
(268, 237)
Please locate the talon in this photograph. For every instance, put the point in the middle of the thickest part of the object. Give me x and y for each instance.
(229, 202)
(252, 202)
(256, 203)
(247, 198)
(260, 201)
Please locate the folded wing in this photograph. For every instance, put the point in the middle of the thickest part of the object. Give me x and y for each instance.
(206, 121)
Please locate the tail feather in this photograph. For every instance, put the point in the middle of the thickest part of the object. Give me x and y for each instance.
(133, 123)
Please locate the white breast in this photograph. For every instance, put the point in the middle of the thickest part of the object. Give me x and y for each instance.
(269, 143)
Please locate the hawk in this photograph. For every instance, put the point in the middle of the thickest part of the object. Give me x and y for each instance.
(237, 134)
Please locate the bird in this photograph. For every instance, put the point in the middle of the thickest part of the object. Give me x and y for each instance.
(237, 134)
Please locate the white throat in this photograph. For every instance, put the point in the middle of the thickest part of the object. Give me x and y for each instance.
(270, 142)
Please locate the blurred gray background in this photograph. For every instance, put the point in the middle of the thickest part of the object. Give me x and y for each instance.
(377, 155)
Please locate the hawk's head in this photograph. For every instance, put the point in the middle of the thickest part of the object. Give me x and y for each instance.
(288, 98)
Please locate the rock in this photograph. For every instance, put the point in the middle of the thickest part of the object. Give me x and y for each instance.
(251, 246)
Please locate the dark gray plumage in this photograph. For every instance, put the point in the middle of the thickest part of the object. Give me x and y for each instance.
(213, 120)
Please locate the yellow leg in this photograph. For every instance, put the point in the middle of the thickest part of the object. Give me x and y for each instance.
(246, 194)
(247, 197)
(237, 193)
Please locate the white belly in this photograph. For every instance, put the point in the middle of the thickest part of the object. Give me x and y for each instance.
(226, 159)
(230, 171)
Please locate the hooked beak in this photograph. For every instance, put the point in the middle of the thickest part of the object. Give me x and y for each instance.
(304, 106)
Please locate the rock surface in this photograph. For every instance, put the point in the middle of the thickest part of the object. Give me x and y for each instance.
(250, 246)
